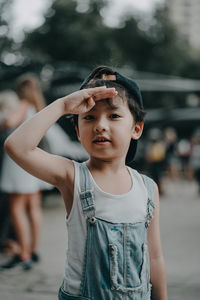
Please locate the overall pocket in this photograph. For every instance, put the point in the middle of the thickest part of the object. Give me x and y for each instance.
(141, 275)
(63, 295)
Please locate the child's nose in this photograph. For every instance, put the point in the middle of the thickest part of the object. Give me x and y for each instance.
(101, 125)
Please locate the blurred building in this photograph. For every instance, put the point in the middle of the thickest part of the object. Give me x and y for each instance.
(185, 15)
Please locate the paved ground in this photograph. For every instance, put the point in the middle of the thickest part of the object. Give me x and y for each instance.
(180, 225)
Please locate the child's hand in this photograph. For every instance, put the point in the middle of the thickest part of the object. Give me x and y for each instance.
(84, 100)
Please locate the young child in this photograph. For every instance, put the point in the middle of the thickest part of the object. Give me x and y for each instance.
(114, 252)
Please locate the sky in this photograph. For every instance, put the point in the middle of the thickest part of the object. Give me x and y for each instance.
(28, 14)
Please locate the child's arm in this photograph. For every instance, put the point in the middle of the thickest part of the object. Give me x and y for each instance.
(22, 144)
(157, 264)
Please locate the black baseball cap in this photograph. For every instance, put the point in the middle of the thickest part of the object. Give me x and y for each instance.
(106, 73)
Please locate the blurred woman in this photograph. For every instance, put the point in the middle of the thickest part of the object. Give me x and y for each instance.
(23, 189)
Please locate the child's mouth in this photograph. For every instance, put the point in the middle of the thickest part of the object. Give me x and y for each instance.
(101, 141)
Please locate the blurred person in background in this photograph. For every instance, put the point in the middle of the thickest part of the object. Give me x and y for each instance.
(194, 161)
(8, 103)
(184, 152)
(23, 189)
(172, 161)
(155, 156)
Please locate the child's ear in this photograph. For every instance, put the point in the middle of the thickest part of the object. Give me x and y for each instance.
(77, 132)
(137, 130)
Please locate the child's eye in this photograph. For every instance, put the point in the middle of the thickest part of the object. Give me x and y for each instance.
(114, 116)
(89, 117)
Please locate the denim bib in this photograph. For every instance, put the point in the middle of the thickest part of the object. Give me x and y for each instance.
(116, 258)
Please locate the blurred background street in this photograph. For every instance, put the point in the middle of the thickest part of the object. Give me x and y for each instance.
(180, 225)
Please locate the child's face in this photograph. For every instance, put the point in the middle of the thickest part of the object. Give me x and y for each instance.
(106, 130)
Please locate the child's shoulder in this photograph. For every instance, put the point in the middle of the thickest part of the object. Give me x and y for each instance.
(149, 183)
(144, 177)
(77, 166)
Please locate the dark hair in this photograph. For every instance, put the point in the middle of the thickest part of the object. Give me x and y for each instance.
(95, 80)
(28, 88)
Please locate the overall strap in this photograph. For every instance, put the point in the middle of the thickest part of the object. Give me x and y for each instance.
(149, 183)
(86, 193)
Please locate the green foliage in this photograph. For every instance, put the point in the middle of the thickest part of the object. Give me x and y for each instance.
(169, 51)
(156, 49)
(70, 35)
(5, 41)
(73, 36)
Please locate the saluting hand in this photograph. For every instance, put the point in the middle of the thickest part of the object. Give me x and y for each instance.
(84, 100)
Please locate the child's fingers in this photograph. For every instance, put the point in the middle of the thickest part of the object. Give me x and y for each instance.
(98, 93)
(106, 94)
(96, 89)
(99, 90)
(91, 102)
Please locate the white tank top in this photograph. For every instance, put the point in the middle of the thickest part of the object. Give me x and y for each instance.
(130, 207)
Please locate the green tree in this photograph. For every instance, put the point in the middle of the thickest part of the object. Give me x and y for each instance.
(5, 40)
(157, 48)
(169, 52)
(70, 35)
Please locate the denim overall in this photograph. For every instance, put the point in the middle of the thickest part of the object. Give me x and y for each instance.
(116, 259)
